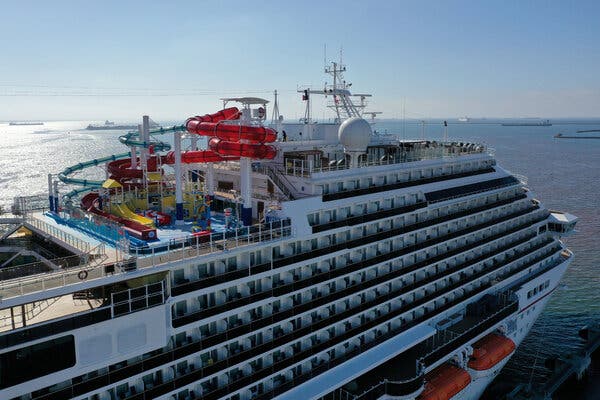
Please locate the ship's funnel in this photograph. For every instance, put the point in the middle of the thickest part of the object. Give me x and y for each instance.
(355, 134)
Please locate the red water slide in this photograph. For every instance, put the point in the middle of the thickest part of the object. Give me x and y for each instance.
(89, 202)
(233, 133)
(227, 143)
(228, 140)
(121, 169)
(237, 149)
(225, 114)
(196, 156)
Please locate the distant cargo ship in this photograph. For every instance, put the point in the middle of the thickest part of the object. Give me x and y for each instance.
(109, 125)
(25, 123)
(539, 123)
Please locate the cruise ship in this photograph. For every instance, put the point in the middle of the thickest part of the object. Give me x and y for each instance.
(283, 260)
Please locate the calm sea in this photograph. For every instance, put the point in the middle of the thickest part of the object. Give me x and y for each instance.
(563, 173)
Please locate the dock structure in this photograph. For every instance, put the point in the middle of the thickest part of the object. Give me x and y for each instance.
(563, 368)
(561, 136)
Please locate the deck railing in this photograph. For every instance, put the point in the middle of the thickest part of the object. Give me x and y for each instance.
(304, 169)
(176, 250)
(186, 248)
(53, 231)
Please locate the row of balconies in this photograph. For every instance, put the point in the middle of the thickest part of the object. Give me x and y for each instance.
(294, 381)
(279, 306)
(357, 186)
(457, 281)
(218, 271)
(428, 236)
(377, 209)
(340, 350)
(360, 294)
(181, 369)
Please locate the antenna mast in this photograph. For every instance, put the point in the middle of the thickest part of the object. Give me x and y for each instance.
(342, 102)
(275, 116)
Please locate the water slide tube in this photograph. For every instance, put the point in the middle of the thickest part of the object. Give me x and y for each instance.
(233, 133)
(90, 203)
(121, 169)
(90, 184)
(121, 210)
(204, 156)
(132, 138)
(232, 140)
(252, 150)
(196, 156)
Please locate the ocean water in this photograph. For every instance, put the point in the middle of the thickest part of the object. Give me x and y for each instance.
(563, 173)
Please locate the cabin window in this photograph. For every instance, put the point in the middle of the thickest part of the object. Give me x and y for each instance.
(224, 186)
(35, 361)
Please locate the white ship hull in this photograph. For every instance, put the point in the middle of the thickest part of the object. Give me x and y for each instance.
(529, 314)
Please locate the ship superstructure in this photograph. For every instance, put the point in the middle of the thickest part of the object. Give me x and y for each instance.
(342, 265)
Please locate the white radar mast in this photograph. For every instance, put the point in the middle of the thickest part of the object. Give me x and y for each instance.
(341, 97)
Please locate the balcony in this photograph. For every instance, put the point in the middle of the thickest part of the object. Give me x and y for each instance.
(283, 261)
(401, 185)
(194, 373)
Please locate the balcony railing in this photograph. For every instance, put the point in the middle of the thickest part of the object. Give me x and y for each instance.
(204, 282)
(175, 250)
(196, 373)
(302, 168)
(185, 248)
(121, 303)
(400, 185)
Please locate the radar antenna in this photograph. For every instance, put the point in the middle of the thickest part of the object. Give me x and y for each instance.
(341, 102)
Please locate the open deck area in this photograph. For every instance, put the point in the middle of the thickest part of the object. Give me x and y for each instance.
(97, 259)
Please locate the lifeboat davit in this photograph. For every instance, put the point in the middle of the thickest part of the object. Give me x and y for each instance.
(250, 150)
(444, 382)
(489, 351)
(234, 133)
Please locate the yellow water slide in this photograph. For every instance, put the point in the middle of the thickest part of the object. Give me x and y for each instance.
(123, 211)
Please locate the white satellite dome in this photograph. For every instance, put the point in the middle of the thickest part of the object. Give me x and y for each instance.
(354, 134)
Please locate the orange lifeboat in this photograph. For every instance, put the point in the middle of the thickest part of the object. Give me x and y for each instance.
(489, 351)
(444, 382)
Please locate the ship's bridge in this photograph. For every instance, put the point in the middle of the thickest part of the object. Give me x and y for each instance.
(561, 222)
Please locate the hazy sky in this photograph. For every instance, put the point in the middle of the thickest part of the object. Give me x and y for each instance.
(442, 58)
